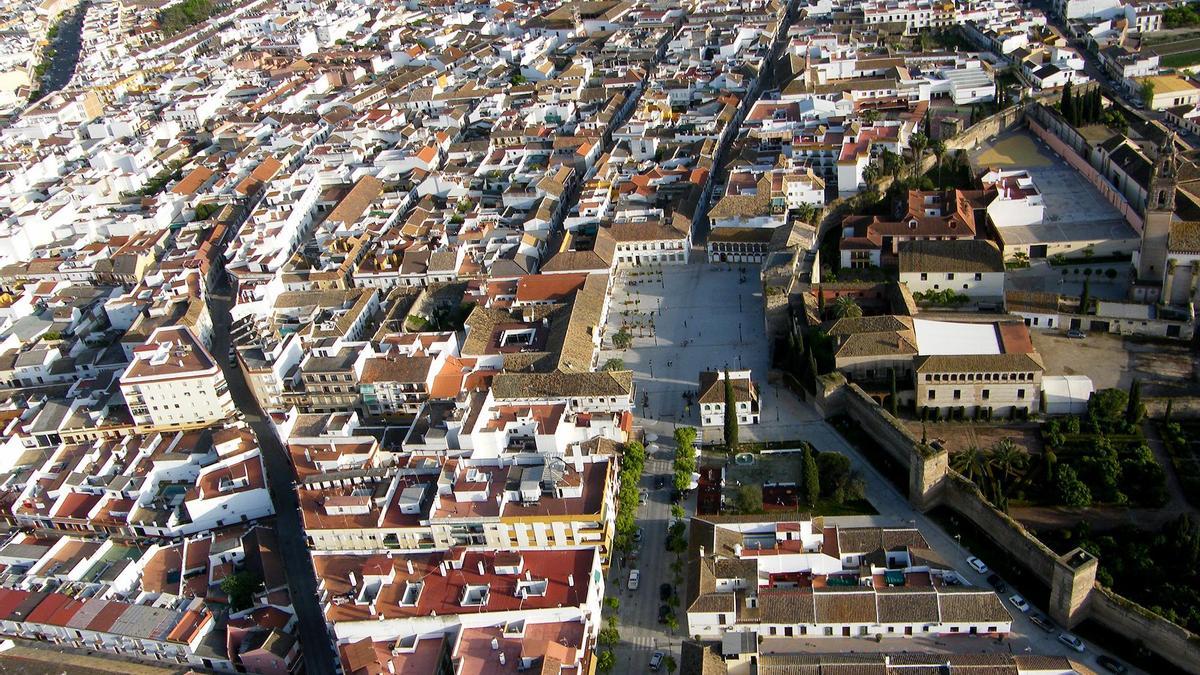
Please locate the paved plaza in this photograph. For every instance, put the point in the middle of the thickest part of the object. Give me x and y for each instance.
(690, 318)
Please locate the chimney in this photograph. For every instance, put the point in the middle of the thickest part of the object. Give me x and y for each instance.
(701, 551)
(571, 580)
(480, 568)
(501, 658)
(353, 580)
(442, 568)
(410, 566)
(528, 575)
(495, 644)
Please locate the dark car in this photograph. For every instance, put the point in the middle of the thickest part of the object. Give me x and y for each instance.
(660, 482)
(997, 583)
(663, 612)
(665, 591)
(1111, 665)
(1042, 622)
(676, 496)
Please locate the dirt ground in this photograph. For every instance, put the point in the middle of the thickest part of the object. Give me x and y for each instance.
(957, 436)
(1014, 149)
(1164, 368)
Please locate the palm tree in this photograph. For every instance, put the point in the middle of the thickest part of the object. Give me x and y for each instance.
(846, 308)
(938, 147)
(1007, 459)
(973, 464)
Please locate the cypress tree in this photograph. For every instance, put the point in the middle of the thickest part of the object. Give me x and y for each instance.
(810, 481)
(731, 422)
(893, 397)
(1084, 298)
(1064, 103)
(812, 372)
(1167, 414)
(1133, 410)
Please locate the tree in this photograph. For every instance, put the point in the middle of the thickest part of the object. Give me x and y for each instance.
(1106, 405)
(731, 420)
(1006, 459)
(1084, 298)
(1065, 102)
(612, 602)
(835, 475)
(750, 499)
(241, 587)
(1134, 410)
(1167, 413)
(893, 394)
(1146, 92)
(1071, 491)
(669, 663)
(613, 364)
(918, 142)
(938, 148)
(677, 512)
(622, 339)
(608, 636)
(672, 622)
(810, 478)
(605, 661)
(973, 464)
(846, 308)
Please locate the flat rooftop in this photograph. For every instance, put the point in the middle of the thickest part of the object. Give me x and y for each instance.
(950, 338)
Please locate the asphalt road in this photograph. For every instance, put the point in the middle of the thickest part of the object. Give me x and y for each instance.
(317, 645)
(641, 633)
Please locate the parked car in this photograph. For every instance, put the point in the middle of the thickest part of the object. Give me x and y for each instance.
(634, 577)
(1019, 602)
(1111, 665)
(637, 535)
(656, 660)
(997, 583)
(663, 612)
(1042, 622)
(1076, 334)
(660, 482)
(665, 591)
(977, 565)
(642, 496)
(1071, 641)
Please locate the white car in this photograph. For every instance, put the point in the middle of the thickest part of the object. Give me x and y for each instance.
(977, 565)
(1019, 602)
(634, 577)
(1071, 641)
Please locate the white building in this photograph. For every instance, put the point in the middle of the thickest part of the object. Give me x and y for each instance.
(972, 267)
(712, 397)
(173, 382)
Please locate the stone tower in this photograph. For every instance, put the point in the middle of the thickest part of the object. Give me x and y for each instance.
(1160, 211)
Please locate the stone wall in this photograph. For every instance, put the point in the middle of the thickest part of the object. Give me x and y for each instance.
(987, 127)
(1169, 640)
(885, 429)
(964, 497)
(1074, 594)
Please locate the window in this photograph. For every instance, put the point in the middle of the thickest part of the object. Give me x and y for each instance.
(957, 394)
(986, 393)
(978, 276)
(932, 394)
(924, 276)
(950, 276)
(1020, 393)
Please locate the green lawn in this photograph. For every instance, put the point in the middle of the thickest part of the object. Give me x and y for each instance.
(1180, 60)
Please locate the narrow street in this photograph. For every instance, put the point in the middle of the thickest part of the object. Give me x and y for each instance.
(315, 641)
